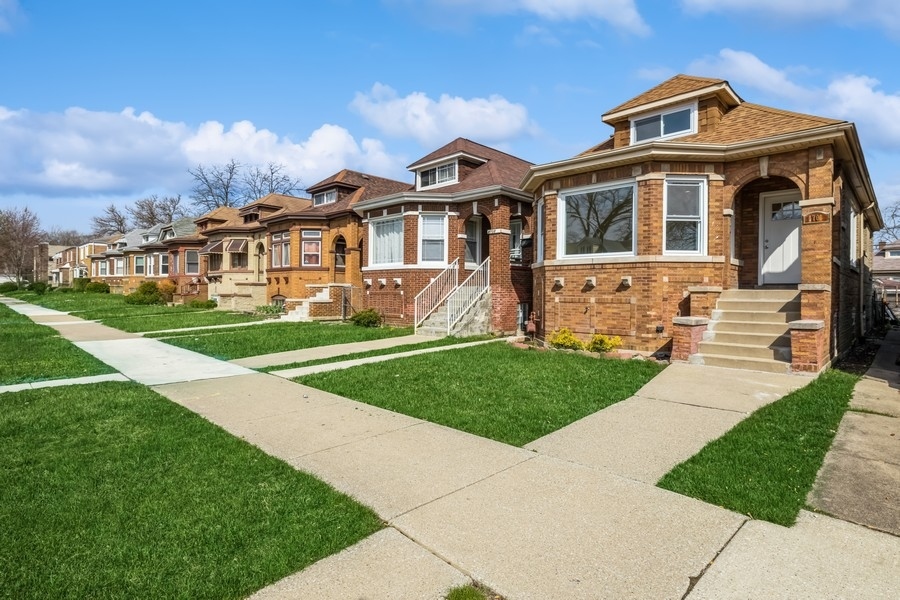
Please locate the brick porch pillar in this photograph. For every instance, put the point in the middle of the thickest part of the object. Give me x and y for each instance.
(687, 333)
(809, 346)
(703, 300)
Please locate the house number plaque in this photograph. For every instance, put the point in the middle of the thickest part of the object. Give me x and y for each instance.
(816, 217)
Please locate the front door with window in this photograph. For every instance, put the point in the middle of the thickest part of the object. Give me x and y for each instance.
(780, 238)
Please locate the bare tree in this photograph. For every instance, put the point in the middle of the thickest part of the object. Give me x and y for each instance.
(269, 180)
(216, 186)
(891, 214)
(20, 232)
(154, 210)
(111, 221)
(64, 237)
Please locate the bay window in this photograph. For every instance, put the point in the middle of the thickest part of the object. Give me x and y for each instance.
(598, 220)
(281, 249)
(312, 248)
(386, 247)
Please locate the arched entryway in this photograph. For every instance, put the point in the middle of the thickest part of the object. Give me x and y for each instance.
(477, 247)
(260, 261)
(340, 259)
(766, 233)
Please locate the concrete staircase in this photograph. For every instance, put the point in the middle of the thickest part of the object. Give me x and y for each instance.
(749, 330)
(300, 312)
(476, 320)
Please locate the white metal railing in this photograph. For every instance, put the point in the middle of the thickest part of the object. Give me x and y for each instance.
(436, 292)
(468, 293)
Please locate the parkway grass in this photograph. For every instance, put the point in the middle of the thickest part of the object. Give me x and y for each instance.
(492, 390)
(112, 491)
(179, 320)
(765, 466)
(230, 344)
(33, 352)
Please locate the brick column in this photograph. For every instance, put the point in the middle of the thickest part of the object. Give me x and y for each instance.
(809, 346)
(687, 333)
(703, 300)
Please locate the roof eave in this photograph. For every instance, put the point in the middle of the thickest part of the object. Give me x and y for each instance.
(451, 198)
(722, 89)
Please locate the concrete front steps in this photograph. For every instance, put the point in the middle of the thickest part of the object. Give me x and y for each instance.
(750, 330)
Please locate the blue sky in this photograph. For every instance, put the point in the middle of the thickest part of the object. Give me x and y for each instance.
(105, 101)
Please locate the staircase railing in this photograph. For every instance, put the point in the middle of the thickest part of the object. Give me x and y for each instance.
(436, 292)
(468, 293)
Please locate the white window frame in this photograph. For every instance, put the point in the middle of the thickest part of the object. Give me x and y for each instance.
(119, 266)
(139, 265)
(540, 231)
(187, 262)
(151, 266)
(326, 197)
(854, 236)
(104, 267)
(310, 236)
(702, 218)
(442, 175)
(443, 218)
(476, 221)
(374, 224)
(562, 225)
(281, 249)
(515, 241)
(164, 264)
(661, 115)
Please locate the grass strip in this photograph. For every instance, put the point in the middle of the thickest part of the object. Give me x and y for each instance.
(240, 342)
(765, 466)
(111, 491)
(34, 352)
(492, 390)
(178, 320)
(436, 343)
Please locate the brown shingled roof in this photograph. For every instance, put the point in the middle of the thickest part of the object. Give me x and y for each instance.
(500, 168)
(367, 186)
(753, 121)
(679, 84)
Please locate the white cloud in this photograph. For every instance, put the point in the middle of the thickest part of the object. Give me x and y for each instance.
(745, 68)
(883, 13)
(82, 152)
(622, 14)
(488, 120)
(536, 34)
(876, 113)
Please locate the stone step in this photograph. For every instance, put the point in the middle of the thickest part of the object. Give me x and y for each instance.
(755, 316)
(747, 364)
(749, 327)
(437, 332)
(758, 305)
(751, 338)
(745, 350)
(763, 294)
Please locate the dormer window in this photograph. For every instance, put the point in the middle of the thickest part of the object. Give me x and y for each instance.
(325, 197)
(441, 175)
(663, 125)
(251, 217)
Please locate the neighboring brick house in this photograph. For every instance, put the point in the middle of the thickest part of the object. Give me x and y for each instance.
(697, 198)
(235, 254)
(45, 262)
(315, 253)
(124, 266)
(886, 270)
(464, 208)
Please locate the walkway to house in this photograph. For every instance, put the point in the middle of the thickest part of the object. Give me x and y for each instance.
(559, 519)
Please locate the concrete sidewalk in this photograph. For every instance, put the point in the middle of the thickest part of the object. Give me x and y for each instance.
(574, 515)
(860, 478)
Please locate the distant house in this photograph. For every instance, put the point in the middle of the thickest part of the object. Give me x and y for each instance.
(451, 248)
(315, 258)
(886, 271)
(719, 230)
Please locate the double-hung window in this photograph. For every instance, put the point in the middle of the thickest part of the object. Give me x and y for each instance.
(666, 124)
(138, 265)
(685, 222)
(312, 248)
(598, 220)
(433, 238)
(192, 262)
(473, 241)
(541, 233)
(163, 264)
(386, 247)
(281, 249)
(515, 241)
(120, 266)
(854, 236)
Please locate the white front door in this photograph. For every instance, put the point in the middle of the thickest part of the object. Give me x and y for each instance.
(780, 237)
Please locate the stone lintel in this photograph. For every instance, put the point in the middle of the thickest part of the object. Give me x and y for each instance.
(705, 289)
(690, 321)
(814, 287)
(807, 325)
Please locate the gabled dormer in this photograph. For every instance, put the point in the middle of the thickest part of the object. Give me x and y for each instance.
(679, 107)
(325, 197)
(445, 167)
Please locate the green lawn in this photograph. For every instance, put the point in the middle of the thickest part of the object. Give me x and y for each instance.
(492, 390)
(229, 344)
(179, 320)
(33, 352)
(765, 466)
(111, 491)
(435, 343)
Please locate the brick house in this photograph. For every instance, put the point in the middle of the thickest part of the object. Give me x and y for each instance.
(314, 267)
(718, 230)
(457, 236)
(235, 255)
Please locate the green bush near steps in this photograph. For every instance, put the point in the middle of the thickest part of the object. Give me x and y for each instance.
(367, 318)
